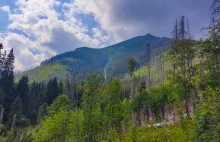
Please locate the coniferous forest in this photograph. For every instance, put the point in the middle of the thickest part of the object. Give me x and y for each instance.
(176, 100)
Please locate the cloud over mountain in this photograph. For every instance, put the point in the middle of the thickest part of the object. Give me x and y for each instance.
(39, 29)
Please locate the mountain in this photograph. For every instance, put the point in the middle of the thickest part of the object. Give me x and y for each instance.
(110, 61)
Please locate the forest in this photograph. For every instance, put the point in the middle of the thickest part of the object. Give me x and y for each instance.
(180, 103)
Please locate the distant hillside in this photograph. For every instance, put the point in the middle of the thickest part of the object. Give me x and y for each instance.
(110, 61)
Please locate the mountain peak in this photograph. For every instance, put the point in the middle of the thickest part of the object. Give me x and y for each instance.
(149, 35)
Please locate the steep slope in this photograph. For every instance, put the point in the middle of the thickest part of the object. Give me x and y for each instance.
(111, 61)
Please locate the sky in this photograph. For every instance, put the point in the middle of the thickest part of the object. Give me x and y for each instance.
(40, 29)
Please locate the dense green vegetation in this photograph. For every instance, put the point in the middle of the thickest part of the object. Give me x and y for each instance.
(46, 72)
(174, 97)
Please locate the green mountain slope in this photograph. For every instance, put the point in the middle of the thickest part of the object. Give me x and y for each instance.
(110, 61)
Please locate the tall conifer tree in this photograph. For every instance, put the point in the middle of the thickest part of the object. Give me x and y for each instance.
(22, 91)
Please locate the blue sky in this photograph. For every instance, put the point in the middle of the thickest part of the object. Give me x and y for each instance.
(40, 29)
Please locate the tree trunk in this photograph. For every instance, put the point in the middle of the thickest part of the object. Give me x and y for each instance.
(13, 122)
(2, 114)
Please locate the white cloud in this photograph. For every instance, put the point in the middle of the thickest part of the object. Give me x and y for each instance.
(104, 12)
(6, 8)
(97, 33)
(22, 46)
(123, 19)
(41, 29)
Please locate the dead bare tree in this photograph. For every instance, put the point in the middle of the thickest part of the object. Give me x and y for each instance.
(215, 9)
(148, 79)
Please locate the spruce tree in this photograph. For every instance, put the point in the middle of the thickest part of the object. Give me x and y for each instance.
(16, 109)
(60, 88)
(22, 91)
(52, 91)
(7, 82)
(49, 92)
(36, 98)
(131, 65)
(55, 88)
(8, 73)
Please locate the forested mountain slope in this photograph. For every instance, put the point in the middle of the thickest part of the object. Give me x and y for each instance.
(110, 61)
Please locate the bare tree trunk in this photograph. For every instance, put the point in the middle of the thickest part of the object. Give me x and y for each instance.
(123, 128)
(22, 135)
(124, 92)
(158, 72)
(133, 117)
(163, 67)
(131, 89)
(142, 114)
(148, 83)
(2, 114)
(13, 122)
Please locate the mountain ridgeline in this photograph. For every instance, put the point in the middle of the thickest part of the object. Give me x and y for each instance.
(109, 61)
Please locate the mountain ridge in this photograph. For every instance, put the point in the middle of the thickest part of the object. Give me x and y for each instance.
(110, 60)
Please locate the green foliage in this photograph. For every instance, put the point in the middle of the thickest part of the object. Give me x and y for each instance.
(22, 91)
(157, 97)
(113, 106)
(7, 95)
(42, 112)
(208, 118)
(189, 127)
(111, 136)
(7, 74)
(45, 72)
(55, 127)
(20, 135)
(17, 109)
(167, 133)
(52, 91)
(144, 70)
(126, 113)
(91, 110)
(62, 102)
(210, 53)
(131, 65)
(60, 88)
(36, 98)
(62, 124)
